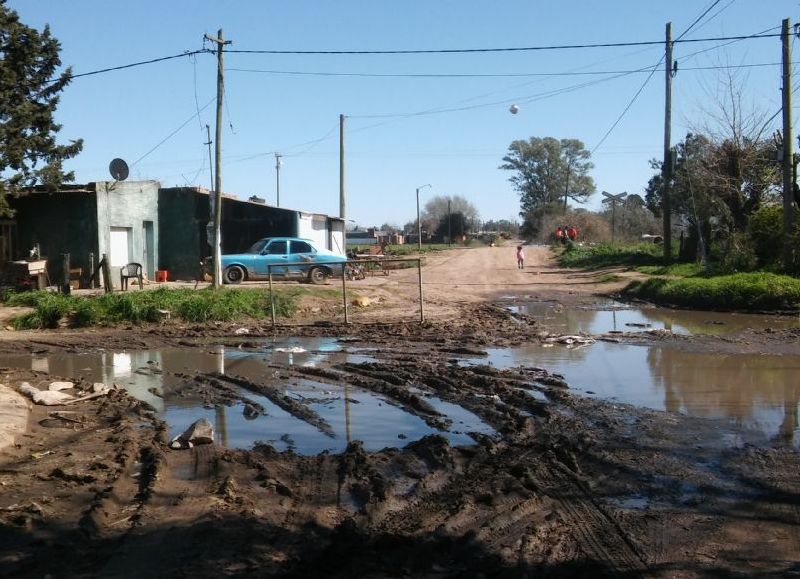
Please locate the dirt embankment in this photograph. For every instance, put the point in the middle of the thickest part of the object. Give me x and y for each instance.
(568, 486)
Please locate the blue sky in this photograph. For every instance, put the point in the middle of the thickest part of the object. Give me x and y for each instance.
(126, 113)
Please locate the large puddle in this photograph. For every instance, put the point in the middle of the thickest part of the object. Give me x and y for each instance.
(760, 393)
(612, 316)
(352, 413)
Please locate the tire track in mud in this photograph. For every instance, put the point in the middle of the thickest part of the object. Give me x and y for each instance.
(599, 535)
(284, 402)
(386, 384)
(513, 521)
(315, 504)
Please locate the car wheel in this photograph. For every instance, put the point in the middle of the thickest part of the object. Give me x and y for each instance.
(317, 275)
(234, 274)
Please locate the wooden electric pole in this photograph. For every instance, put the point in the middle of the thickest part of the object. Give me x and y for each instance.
(666, 168)
(220, 42)
(788, 185)
(342, 197)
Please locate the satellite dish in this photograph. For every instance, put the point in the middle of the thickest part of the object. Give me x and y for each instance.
(118, 169)
(513, 109)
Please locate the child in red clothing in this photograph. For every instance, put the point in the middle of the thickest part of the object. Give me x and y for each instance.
(520, 258)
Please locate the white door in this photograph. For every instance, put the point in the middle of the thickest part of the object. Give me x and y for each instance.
(120, 246)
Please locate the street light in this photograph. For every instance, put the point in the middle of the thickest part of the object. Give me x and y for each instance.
(419, 226)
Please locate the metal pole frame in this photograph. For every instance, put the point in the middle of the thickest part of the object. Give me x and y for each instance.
(271, 295)
(344, 265)
(344, 291)
(419, 276)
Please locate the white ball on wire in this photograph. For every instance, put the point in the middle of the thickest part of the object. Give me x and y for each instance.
(513, 109)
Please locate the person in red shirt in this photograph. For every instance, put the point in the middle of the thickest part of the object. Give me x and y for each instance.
(560, 235)
(572, 233)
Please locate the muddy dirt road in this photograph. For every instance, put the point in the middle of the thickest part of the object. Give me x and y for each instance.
(563, 486)
(472, 275)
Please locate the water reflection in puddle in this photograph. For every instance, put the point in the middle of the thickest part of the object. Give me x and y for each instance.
(352, 413)
(755, 391)
(615, 316)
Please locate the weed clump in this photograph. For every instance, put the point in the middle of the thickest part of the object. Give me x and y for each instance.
(207, 305)
(741, 291)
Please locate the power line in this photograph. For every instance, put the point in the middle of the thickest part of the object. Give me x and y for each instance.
(308, 144)
(717, 13)
(133, 64)
(481, 75)
(169, 136)
(693, 54)
(500, 49)
(650, 76)
(627, 108)
(523, 99)
(189, 53)
(698, 19)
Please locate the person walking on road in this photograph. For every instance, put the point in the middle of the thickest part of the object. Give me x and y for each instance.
(520, 258)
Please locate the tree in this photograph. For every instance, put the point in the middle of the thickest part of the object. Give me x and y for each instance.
(719, 181)
(437, 208)
(545, 172)
(452, 226)
(502, 226)
(390, 228)
(29, 95)
(632, 219)
(592, 227)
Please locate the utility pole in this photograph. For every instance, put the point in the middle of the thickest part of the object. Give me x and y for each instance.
(212, 208)
(210, 165)
(449, 229)
(220, 42)
(788, 188)
(342, 204)
(666, 168)
(419, 225)
(278, 179)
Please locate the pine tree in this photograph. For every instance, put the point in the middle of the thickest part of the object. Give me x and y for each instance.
(29, 95)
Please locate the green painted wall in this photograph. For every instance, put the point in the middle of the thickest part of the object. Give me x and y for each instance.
(61, 222)
(183, 215)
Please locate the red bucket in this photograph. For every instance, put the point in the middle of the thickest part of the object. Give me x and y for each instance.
(161, 275)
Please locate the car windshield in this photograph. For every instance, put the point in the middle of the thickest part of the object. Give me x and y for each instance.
(258, 246)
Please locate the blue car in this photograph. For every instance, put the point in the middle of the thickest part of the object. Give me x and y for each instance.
(289, 257)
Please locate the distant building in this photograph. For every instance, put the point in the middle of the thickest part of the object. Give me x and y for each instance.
(374, 236)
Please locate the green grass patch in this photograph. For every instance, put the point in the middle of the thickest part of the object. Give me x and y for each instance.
(741, 291)
(609, 278)
(206, 305)
(411, 249)
(675, 269)
(606, 255)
